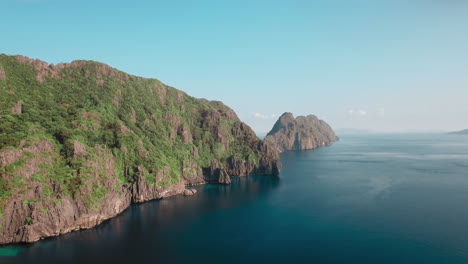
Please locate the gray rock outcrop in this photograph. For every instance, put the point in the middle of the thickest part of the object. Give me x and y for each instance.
(300, 133)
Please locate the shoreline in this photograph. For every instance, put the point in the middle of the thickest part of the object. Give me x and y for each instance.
(178, 192)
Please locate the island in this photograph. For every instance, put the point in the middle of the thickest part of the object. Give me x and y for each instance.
(300, 133)
(81, 141)
(461, 132)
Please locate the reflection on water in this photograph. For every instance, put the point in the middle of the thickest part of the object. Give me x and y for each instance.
(9, 251)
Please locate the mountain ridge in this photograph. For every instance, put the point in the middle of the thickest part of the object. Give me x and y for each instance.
(81, 141)
(300, 133)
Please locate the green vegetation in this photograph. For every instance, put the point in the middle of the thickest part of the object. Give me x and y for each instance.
(28, 220)
(117, 120)
(28, 201)
(5, 192)
(97, 194)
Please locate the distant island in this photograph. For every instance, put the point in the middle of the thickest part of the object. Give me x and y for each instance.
(300, 133)
(81, 141)
(461, 132)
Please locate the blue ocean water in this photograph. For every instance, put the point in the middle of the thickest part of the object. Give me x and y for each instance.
(365, 199)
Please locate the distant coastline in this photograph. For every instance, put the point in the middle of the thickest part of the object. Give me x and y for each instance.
(461, 132)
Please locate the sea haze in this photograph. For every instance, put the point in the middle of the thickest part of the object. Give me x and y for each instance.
(365, 199)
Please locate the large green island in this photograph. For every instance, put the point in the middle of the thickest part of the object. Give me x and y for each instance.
(81, 141)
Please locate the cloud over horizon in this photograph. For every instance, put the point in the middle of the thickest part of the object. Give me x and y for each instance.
(264, 116)
(357, 112)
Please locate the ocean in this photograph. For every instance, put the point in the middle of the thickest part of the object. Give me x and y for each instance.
(399, 198)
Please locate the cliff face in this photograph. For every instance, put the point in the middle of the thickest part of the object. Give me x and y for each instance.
(80, 142)
(301, 133)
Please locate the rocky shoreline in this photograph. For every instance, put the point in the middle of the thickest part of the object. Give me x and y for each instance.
(32, 221)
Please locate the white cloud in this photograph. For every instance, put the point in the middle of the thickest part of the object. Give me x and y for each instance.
(264, 116)
(357, 112)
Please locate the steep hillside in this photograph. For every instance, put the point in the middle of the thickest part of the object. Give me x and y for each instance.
(301, 133)
(79, 142)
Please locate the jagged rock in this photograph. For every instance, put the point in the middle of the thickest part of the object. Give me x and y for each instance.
(123, 129)
(32, 215)
(44, 69)
(17, 109)
(143, 191)
(100, 83)
(185, 134)
(189, 192)
(78, 149)
(301, 133)
(174, 122)
(133, 116)
(2, 74)
(215, 174)
(224, 178)
(192, 173)
(162, 94)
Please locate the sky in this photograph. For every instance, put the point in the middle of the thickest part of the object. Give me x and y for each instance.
(388, 66)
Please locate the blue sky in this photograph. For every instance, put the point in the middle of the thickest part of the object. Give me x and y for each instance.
(376, 65)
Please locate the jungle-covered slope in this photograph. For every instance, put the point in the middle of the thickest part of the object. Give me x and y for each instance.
(79, 142)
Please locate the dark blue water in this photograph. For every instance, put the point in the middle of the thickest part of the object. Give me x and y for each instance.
(369, 199)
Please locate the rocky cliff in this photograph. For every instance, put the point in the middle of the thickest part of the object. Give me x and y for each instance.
(80, 142)
(301, 133)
